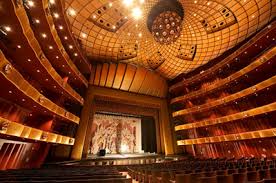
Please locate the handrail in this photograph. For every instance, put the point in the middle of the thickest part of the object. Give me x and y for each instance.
(258, 62)
(24, 132)
(230, 137)
(225, 119)
(28, 32)
(53, 31)
(13, 76)
(222, 101)
(226, 61)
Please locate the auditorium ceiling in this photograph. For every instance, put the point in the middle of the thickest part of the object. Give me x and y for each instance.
(170, 37)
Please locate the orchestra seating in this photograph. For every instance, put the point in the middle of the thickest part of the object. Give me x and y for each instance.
(219, 170)
(65, 175)
(207, 171)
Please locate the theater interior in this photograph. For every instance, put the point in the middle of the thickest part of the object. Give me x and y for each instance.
(138, 91)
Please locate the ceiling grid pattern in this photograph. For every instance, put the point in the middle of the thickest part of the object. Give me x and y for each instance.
(100, 44)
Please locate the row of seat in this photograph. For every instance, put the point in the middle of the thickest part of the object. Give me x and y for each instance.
(206, 171)
(66, 175)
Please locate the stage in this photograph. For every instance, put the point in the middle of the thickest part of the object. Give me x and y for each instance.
(123, 156)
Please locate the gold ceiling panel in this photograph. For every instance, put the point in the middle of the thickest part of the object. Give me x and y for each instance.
(129, 78)
(213, 26)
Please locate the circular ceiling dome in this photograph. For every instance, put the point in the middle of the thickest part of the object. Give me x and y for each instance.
(165, 21)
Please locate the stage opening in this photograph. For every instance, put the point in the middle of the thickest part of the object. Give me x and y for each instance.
(122, 134)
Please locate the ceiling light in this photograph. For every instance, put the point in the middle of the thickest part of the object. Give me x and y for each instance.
(46, 79)
(7, 28)
(63, 65)
(18, 46)
(37, 70)
(72, 12)
(30, 3)
(94, 16)
(75, 54)
(52, 1)
(140, 34)
(29, 60)
(70, 46)
(23, 100)
(10, 91)
(65, 37)
(127, 2)
(56, 15)
(60, 27)
(113, 27)
(37, 21)
(110, 4)
(50, 47)
(43, 35)
(83, 35)
(141, 1)
(136, 13)
(57, 57)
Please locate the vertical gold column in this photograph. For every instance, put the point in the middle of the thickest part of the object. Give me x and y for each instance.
(82, 128)
(166, 128)
(157, 132)
(88, 136)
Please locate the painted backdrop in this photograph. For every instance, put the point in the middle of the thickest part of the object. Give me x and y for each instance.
(116, 134)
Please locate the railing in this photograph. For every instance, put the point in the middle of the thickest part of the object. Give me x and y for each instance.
(24, 132)
(231, 137)
(14, 77)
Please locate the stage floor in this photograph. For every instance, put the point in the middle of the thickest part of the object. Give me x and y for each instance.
(123, 156)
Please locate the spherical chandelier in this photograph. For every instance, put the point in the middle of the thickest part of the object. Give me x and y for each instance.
(166, 27)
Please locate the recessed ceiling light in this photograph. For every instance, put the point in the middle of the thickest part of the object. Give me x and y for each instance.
(70, 46)
(94, 16)
(18, 46)
(71, 12)
(37, 21)
(60, 27)
(46, 79)
(56, 15)
(110, 4)
(10, 92)
(23, 100)
(140, 34)
(30, 3)
(75, 54)
(29, 60)
(195, 1)
(43, 35)
(83, 35)
(113, 27)
(65, 37)
(63, 65)
(37, 70)
(7, 28)
(57, 57)
(50, 47)
(55, 86)
(52, 2)
(136, 13)
(127, 2)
